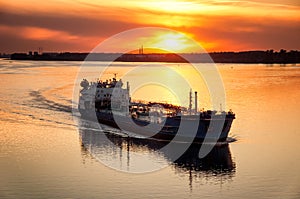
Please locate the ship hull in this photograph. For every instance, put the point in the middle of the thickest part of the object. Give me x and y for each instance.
(169, 130)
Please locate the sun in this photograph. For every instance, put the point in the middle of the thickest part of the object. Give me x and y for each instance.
(176, 42)
(149, 40)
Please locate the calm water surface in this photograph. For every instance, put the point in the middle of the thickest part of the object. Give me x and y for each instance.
(43, 155)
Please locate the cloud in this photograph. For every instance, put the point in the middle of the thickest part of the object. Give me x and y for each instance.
(77, 25)
(244, 33)
(238, 25)
(23, 39)
(64, 31)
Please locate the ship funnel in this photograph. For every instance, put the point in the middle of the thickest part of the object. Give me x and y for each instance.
(190, 102)
(196, 103)
(128, 87)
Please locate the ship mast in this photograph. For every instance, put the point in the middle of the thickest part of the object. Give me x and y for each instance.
(196, 103)
(190, 102)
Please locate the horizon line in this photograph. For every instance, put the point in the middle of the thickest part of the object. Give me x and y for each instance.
(82, 52)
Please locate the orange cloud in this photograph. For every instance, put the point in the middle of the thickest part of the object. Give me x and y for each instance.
(35, 33)
(50, 40)
(217, 25)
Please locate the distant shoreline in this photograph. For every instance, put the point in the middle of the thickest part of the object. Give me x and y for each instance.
(265, 57)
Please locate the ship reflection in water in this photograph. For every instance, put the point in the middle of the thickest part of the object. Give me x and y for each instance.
(129, 154)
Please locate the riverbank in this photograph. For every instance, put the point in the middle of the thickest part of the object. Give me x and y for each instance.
(267, 57)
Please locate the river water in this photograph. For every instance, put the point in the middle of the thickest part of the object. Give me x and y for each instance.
(44, 155)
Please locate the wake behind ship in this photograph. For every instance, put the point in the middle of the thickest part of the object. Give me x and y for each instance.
(110, 104)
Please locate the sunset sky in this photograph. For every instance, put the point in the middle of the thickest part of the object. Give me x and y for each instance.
(80, 25)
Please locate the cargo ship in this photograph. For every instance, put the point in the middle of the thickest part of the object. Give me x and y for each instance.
(109, 103)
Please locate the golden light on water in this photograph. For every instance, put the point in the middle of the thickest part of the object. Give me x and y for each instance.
(155, 93)
(163, 82)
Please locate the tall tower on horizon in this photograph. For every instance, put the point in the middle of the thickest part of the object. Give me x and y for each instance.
(141, 50)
